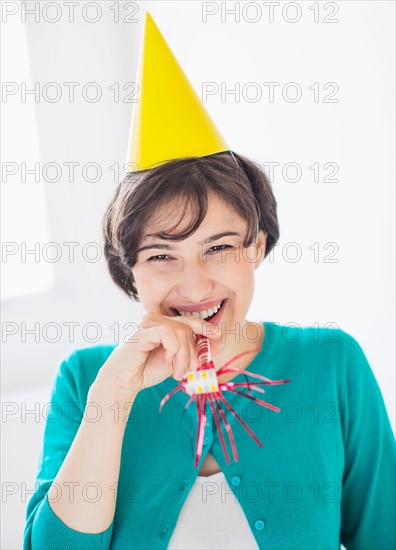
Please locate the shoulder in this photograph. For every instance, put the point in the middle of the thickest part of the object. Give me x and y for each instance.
(90, 356)
(323, 350)
(78, 369)
(313, 339)
(87, 359)
(328, 362)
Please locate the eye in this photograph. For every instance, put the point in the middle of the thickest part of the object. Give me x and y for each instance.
(159, 258)
(220, 246)
(166, 258)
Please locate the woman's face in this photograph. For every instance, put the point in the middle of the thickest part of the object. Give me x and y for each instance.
(200, 269)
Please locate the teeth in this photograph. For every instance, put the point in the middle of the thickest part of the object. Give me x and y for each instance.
(201, 314)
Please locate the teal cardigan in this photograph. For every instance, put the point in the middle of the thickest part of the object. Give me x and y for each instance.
(325, 475)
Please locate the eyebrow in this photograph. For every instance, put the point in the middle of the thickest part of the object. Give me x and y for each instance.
(162, 246)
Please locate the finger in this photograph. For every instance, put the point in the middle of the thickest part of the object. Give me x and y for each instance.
(214, 343)
(152, 337)
(193, 366)
(182, 364)
(198, 326)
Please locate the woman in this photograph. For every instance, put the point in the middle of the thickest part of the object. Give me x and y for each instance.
(185, 232)
(117, 474)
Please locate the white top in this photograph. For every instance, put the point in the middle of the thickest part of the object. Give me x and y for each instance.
(212, 517)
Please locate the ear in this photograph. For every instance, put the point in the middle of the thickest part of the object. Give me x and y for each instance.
(261, 245)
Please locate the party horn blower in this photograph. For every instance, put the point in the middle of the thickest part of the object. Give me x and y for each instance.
(203, 386)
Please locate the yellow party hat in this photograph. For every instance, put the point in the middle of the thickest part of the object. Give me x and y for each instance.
(169, 121)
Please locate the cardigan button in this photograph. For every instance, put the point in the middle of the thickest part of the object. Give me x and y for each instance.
(235, 480)
(164, 530)
(259, 525)
(206, 440)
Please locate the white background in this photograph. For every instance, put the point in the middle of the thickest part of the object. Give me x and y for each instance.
(356, 213)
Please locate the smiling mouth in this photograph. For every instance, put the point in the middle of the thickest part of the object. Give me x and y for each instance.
(217, 312)
(177, 314)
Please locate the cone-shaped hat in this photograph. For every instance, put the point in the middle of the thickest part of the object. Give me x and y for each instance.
(169, 121)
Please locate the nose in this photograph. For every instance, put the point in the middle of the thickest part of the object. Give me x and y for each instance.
(194, 282)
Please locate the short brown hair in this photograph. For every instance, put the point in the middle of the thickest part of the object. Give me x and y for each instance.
(244, 187)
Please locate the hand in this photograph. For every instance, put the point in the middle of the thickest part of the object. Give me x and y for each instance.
(144, 359)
